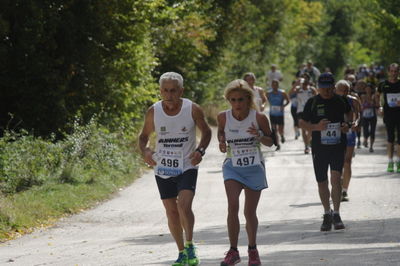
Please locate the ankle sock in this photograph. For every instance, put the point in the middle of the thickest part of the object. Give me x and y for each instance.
(253, 247)
(235, 249)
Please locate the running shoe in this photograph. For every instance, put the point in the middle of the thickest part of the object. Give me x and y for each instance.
(254, 258)
(283, 139)
(307, 150)
(182, 259)
(344, 196)
(365, 143)
(232, 257)
(398, 167)
(337, 222)
(192, 259)
(390, 167)
(358, 145)
(327, 222)
(278, 147)
(371, 149)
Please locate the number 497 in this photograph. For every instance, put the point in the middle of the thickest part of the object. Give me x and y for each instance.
(245, 161)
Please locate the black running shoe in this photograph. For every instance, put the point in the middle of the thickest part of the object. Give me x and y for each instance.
(278, 147)
(337, 222)
(344, 196)
(283, 139)
(327, 222)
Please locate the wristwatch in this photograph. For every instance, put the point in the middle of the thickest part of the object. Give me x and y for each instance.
(201, 150)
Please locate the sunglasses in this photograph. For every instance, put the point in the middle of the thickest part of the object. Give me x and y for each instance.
(236, 99)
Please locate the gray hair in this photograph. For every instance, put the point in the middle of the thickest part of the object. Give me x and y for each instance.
(344, 83)
(393, 65)
(249, 74)
(172, 76)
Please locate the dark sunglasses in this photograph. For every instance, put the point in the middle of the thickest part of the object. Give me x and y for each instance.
(236, 99)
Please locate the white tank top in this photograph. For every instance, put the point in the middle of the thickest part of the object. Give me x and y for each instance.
(302, 98)
(176, 140)
(257, 97)
(239, 140)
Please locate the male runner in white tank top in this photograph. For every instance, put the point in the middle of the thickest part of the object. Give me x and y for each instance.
(259, 95)
(175, 159)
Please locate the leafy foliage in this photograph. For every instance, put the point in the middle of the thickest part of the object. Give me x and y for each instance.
(87, 155)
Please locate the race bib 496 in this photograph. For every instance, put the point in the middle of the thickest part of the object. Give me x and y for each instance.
(169, 162)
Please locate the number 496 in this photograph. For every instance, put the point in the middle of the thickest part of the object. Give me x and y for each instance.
(170, 162)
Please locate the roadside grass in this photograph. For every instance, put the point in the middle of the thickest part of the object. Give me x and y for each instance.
(44, 180)
(41, 206)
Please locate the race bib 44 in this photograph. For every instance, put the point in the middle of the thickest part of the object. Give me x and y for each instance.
(331, 135)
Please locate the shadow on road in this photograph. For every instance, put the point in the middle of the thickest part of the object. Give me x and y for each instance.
(299, 242)
(305, 205)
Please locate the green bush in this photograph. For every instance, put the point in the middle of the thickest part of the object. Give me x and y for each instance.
(91, 153)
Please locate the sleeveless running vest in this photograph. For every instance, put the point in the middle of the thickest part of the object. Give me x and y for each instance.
(302, 98)
(257, 97)
(368, 110)
(243, 147)
(176, 140)
(276, 102)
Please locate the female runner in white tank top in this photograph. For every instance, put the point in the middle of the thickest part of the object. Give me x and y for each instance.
(240, 132)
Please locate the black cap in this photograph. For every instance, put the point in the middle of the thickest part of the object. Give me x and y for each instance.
(326, 80)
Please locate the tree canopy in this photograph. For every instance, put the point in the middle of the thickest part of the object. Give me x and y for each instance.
(66, 58)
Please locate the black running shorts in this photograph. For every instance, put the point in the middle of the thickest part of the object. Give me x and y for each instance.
(170, 187)
(325, 157)
(295, 117)
(392, 125)
(276, 120)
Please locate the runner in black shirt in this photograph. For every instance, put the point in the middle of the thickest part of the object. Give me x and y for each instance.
(324, 115)
(389, 93)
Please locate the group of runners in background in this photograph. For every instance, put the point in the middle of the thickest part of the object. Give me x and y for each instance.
(328, 115)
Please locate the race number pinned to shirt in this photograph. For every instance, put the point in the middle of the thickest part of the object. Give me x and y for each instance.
(245, 157)
(169, 162)
(331, 135)
(275, 110)
(393, 99)
(368, 113)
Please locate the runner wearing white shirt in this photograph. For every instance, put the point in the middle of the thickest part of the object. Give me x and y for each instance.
(175, 159)
(259, 95)
(241, 131)
(304, 91)
(273, 74)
